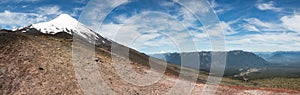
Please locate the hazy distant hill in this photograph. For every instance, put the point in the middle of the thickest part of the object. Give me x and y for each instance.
(285, 57)
(235, 60)
(264, 55)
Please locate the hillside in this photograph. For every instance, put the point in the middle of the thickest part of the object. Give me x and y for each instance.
(41, 64)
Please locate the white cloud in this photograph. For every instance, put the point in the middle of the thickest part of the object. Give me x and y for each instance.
(267, 41)
(264, 42)
(249, 27)
(17, 19)
(160, 26)
(257, 22)
(227, 28)
(188, 18)
(287, 23)
(81, 1)
(213, 3)
(218, 8)
(50, 10)
(96, 11)
(198, 35)
(291, 22)
(268, 6)
(17, 1)
(76, 11)
(216, 30)
(251, 42)
(254, 24)
(198, 7)
(121, 18)
(193, 8)
(28, 0)
(12, 20)
(149, 30)
(166, 3)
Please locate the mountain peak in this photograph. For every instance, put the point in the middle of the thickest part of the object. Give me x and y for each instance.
(65, 17)
(63, 23)
(66, 23)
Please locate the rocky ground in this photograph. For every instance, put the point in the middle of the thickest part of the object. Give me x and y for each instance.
(42, 65)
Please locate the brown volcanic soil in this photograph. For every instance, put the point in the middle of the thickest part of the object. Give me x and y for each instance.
(32, 65)
(42, 64)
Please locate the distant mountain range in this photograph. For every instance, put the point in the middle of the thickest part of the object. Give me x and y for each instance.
(235, 60)
(281, 57)
(240, 62)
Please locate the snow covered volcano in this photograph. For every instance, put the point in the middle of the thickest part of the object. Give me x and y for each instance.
(66, 23)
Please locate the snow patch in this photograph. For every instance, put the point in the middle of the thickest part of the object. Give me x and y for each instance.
(65, 23)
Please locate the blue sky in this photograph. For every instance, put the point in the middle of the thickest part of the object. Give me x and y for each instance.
(17, 13)
(251, 25)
